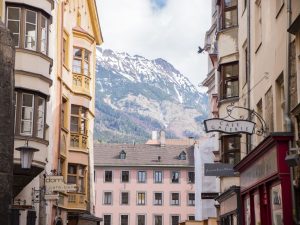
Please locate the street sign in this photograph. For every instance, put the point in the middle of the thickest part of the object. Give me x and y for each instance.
(218, 170)
(56, 183)
(229, 127)
(209, 195)
(52, 197)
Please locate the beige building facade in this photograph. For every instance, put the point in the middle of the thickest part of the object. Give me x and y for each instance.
(255, 56)
(55, 44)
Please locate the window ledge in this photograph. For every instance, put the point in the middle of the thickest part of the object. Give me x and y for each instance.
(227, 100)
(30, 138)
(32, 52)
(225, 30)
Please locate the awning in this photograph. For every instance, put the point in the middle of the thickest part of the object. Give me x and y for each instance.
(295, 26)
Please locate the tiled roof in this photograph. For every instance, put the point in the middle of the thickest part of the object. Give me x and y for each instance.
(142, 155)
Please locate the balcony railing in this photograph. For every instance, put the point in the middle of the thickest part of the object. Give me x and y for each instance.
(77, 201)
(81, 83)
(79, 140)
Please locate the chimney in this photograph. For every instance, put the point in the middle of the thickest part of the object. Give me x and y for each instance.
(154, 135)
(162, 138)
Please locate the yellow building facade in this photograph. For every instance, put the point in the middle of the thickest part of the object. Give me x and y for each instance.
(77, 35)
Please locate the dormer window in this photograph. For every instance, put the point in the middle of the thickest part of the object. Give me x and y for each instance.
(122, 154)
(182, 156)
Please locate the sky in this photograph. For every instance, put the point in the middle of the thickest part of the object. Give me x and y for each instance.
(168, 29)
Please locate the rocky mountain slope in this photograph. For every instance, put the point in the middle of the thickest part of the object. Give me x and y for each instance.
(135, 95)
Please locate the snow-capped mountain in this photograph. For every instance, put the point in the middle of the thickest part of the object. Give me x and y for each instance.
(135, 95)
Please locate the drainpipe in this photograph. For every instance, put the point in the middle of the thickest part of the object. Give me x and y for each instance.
(249, 140)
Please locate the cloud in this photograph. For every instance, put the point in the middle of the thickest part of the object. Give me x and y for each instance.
(172, 30)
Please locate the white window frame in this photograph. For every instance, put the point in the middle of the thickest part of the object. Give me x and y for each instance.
(42, 124)
(32, 119)
(20, 15)
(26, 23)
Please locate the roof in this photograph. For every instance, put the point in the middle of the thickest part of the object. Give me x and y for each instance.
(143, 155)
(186, 141)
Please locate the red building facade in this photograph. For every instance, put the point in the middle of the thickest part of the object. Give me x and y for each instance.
(266, 184)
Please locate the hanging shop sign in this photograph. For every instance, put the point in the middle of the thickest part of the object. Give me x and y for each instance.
(209, 195)
(218, 170)
(229, 127)
(56, 183)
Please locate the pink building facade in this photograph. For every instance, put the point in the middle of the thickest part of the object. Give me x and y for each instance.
(144, 184)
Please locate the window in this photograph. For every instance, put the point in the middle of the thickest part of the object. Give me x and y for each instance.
(108, 176)
(27, 114)
(157, 198)
(182, 156)
(76, 175)
(229, 85)
(175, 176)
(124, 220)
(79, 126)
(44, 34)
(29, 28)
(41, 117)
(158, 176)
(141, 176)
(174, 220)
(107, 219)
(191, 177)
(78, 119)
(191, 199)
(230, 13)
(258, 24)
(63, 113)
(81, 61)
(141, 220)
(122, 154)
(107, 199)
(141, 198)
(191, 217)
(174, 198)
(13, 23)
(124, 198)
(158, 220)
(231, 149)
(125, 176)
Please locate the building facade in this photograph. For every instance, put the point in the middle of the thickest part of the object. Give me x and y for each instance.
(73, 109)
(55, 44)
(144, 184)
(30, 25)
(257, 69)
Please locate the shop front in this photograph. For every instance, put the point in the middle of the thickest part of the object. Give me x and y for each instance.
(230, 206)
(266, 184)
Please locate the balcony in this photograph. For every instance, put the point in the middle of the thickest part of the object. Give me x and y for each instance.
(77, 201)
(81, 84)
(78, 140)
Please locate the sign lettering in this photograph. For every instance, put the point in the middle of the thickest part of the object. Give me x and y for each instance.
(56, 183)
(229, 127)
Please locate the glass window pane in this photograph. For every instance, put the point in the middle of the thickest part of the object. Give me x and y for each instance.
(141, 219)
(124, 219)
(77, 53)
(157, 220)
(41, 118)
(75, 110)
(71, 179)
(30, 32)
(80, 184)
(107, 219)
(76, 66)
(27, 114)
(230, 18)
(13, 13)
(74, 124)
(44, 32)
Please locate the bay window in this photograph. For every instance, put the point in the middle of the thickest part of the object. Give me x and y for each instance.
(229, 13)
(29, 28)
(229, 82)
(76, 175)
(81, 61)
(231, 149)
(30, 116)
(79, 127)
